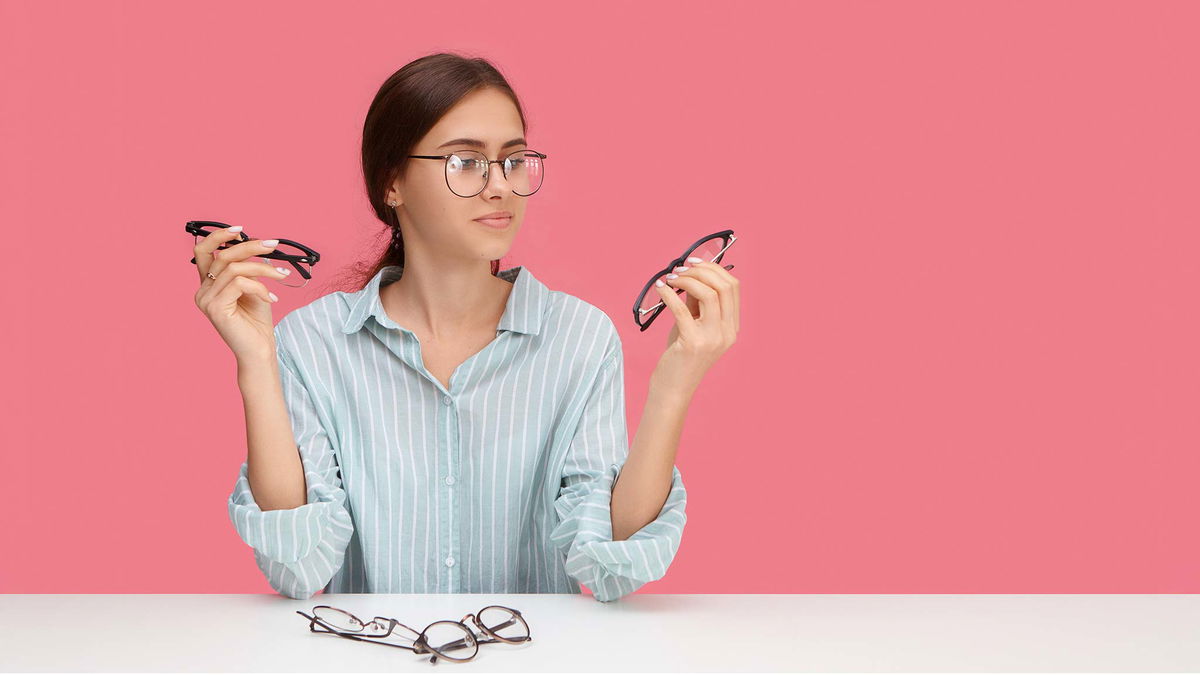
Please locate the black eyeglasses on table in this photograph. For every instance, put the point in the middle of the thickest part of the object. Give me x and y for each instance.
(296, 254)
(710, 249)
(450, 640)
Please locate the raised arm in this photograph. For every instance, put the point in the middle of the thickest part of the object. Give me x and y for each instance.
(597, 453)
(288, 503)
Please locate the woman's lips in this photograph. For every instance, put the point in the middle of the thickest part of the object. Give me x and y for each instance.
(496, 223)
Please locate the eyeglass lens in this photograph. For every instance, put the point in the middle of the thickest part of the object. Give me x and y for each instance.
(466, 172)
(293, 280)
(504, 624)
(449, 639)
(711, 251)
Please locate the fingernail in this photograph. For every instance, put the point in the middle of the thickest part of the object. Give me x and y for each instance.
(274, 298)
(236, 228)
(694, 259)
(672, 276)
(659, 282)
(680, 269)
(283, 270)
(269, 242)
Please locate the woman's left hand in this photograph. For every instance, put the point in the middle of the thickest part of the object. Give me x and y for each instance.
(706, 325)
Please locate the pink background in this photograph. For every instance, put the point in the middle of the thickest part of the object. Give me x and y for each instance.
(969, 351)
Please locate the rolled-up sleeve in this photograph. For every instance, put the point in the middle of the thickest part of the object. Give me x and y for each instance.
(299, 550)
(610, 569)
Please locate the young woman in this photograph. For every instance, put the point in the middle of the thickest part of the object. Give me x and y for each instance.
(450, 427)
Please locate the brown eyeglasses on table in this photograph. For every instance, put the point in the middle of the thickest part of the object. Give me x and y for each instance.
(440, 638)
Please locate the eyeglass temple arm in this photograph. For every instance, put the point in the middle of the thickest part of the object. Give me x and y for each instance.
(359, 638)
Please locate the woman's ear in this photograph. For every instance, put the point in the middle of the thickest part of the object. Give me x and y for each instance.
(395, 192)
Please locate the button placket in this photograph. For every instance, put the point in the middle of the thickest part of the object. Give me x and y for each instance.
(451, 441)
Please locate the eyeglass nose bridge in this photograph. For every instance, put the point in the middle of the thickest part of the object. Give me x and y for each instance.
(487, 177)
(477, 622)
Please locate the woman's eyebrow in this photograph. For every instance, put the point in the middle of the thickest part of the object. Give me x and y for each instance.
(476, 143)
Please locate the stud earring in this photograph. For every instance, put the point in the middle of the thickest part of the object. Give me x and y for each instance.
(392, 204)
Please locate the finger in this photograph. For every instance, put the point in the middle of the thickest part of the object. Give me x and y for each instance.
(684, 321)
(726, 285)
(737, 304)
(239, 286)
(246, 249)
(246, 269)
(706, 276)
(710, 302)
(730, 302)
(205, 247)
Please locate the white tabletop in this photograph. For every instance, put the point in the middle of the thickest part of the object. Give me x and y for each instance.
(645, 632)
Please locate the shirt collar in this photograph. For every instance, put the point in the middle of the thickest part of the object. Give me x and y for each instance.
(522, 313)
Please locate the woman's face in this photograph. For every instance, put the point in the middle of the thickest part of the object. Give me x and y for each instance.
(434, 219)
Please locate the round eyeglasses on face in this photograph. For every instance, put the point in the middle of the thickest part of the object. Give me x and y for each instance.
(467, 171)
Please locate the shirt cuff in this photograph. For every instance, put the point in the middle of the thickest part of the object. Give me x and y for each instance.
(612, 569)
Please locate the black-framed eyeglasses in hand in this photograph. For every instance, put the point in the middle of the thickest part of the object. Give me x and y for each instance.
(710, 249)
(299, 256)
(467, 171)
(450, 640)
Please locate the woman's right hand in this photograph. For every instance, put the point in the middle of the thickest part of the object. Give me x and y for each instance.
(236, 303)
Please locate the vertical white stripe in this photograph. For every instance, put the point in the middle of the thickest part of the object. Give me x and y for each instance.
(501, 515)
(380, 425)
(424, 409)
(545, 445)
(486, 451)
(409, 479)
(324, 376)
(581, 394)
(469, 401)
(574, 332)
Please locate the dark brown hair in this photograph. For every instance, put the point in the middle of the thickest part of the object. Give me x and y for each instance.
(405, 108)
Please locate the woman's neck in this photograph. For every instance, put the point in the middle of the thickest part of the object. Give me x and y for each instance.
(442, 305)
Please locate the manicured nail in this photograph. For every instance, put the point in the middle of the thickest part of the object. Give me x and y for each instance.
(680, 269)
(672, 276)
(269, 242)
(659, 282)
(283, 270)
(694, 259)
(236, 228)
(274, 298)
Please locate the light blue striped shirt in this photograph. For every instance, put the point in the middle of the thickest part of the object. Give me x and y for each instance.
(500, 484)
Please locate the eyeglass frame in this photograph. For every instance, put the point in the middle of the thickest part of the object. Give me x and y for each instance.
(196, 227)
(487, 170)
(638, 312)
(420, 646)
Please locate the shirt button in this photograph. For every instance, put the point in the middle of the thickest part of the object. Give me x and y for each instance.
(446, 400)
(450, 561)
(449, 480)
